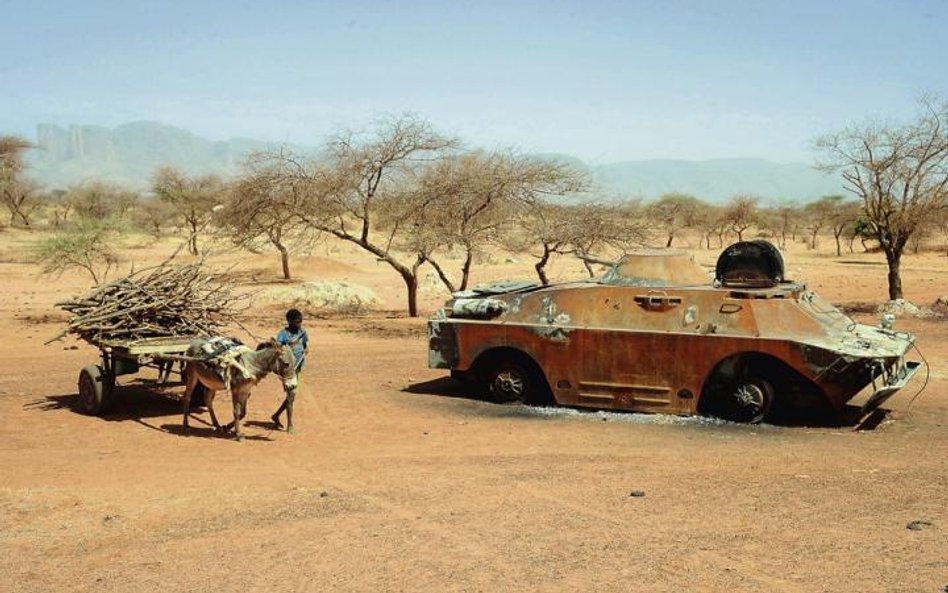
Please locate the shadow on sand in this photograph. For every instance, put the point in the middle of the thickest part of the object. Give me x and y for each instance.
(850, 418)
(141, 401)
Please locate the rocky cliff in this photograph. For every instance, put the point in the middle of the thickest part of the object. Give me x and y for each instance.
(130, 153)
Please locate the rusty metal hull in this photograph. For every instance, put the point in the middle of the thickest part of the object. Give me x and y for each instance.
(671, 349)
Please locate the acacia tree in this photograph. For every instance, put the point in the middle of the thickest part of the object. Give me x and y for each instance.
(259, 210)
(99, 200)
(816, 216)
(712, 223)
(55, 206)
(899, 171)
(844, 216)
(347, 191)
(775, 220)
(153, 215)
(740, 214)
(549, 226)
(620, 226)
(19, 194)
(88, 244)
(193, 197)
(787, 218)
(862, 230)
(465, 200)
(545, 229)
(833, 212)
(675, 212)
(941, 223)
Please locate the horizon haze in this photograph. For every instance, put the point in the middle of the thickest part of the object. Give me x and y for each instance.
(605, 81)
(130, 153)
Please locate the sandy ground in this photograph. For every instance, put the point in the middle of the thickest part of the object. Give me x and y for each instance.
(398, 480)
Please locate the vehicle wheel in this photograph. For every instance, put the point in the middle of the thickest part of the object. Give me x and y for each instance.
(750, 400)
(94, 390)
(508, 381)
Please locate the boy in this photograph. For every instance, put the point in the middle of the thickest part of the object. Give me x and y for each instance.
(296, 336)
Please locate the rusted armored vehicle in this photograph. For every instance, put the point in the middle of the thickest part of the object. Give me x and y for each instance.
(657, 333)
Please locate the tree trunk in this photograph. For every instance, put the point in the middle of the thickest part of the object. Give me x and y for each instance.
(540, 266)
(17, 212)
(444, 277)
(894, 259)
(671, 237)
(589, 269)
(412, 285)
(191, 220)
(285, 260)
(839, 249)
(466, 269)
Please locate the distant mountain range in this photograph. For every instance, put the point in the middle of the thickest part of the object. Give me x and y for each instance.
(130, 153)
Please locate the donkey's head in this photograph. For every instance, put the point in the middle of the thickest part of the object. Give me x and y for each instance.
(283, 362)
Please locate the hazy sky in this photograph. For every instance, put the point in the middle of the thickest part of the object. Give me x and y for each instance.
(605, 81)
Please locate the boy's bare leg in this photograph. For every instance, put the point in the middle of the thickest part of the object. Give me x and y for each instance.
(288, 403)
(276, 415)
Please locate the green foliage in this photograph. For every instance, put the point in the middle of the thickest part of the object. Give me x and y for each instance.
(88, 244)
(17, 194)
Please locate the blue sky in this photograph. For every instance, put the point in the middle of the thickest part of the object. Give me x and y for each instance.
(605, 81)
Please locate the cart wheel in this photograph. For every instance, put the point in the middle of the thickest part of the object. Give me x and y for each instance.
(94, 390)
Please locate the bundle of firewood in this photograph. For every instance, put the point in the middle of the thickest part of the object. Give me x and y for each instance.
(167, 300)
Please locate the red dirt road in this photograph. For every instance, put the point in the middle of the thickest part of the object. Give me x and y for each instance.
(397, 481)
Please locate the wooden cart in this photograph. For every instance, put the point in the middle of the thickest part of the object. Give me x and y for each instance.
(97, 382)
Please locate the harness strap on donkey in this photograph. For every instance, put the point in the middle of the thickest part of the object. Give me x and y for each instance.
(224, 353)
(231, 359)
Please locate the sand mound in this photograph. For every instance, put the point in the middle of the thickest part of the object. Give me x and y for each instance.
(902, 307)
(335, 296)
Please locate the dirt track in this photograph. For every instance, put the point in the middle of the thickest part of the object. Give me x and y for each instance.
(397, 481)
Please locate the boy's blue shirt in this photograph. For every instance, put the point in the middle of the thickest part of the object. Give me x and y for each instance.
(299, 348)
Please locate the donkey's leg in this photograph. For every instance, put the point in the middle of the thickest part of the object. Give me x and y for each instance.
(242, 401)
(209, 402)
(240, 410)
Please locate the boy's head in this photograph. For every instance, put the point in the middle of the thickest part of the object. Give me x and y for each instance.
(294, 319)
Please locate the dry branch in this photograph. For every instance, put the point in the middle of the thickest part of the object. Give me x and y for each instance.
(166, 300)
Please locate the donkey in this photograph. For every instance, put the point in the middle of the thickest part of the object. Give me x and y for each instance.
(269, 357)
